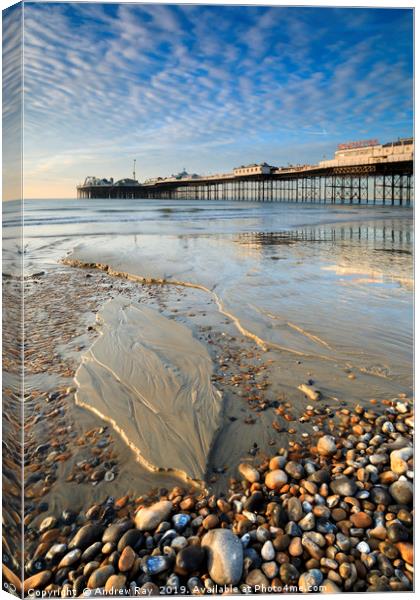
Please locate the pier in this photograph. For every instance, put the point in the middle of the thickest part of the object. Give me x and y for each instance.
(360, 173)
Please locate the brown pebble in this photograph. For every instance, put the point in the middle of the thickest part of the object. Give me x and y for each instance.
(37, 581)
(127, 558)
(406, 551)
(211, 522)
(361, 519)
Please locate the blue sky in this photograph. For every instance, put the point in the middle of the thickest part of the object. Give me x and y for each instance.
(205, 87)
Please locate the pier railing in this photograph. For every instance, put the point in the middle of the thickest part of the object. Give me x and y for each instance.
(390, 184)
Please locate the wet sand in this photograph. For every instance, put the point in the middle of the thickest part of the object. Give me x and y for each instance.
(149, 378)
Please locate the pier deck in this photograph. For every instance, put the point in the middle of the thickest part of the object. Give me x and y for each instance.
(382, 183)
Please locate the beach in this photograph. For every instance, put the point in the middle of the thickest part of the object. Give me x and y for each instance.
(166, 344)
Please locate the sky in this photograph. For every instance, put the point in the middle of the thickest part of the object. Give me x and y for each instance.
(207, 88)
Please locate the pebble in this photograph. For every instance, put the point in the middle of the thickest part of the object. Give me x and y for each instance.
(294, 509)
(86, 536)
(275, 479)
(270, 569)
(326, 445)
(37, 581)
(47, 523)
(189, 560)
(157, 564)
(114, 532)
(180, 521)
(402, 492)
(132, 537)
(361, 519)
(295, 548)
(127, 558)
(100, 577)
(116, 585)
(267, 551)
(248, 472)
(70, 558)
(344, 486)
(310, 581)
(329, 587)
(150, 517)
(406, 551)
(225, 556)
(294, 469)
(257, 580)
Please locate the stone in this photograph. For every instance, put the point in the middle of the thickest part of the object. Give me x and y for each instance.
(308, 522)
(397, 533)
(275, 479)
(115, 585)
(326, 445)
(133, 538)
(150, 517)
(310, 581)
(294, 469)
(263, 534)
(86, 536)
(255, 501)
(55, 551)
(402, 492)
(180, 521)
(37, 581)
(294, 509)
(90, 567)
(288, 573)
(293, 529)
(406, 551)
(225, 556)
(270, 569)
(189, 560)
(211, 522)
(47, 523)
(91, 551)
(157, 564)
(313, 549)
(267, 551)
(399, 460)
(179, 543)
(100, 577)
(363, 547)
(257, 580)
(248, 472)
(277, 462)
(343, 486)
(127, 558)
(380, 495)
(361, 519)
(329, 587)
(70, 558)
(295, 547)
(114, 532)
